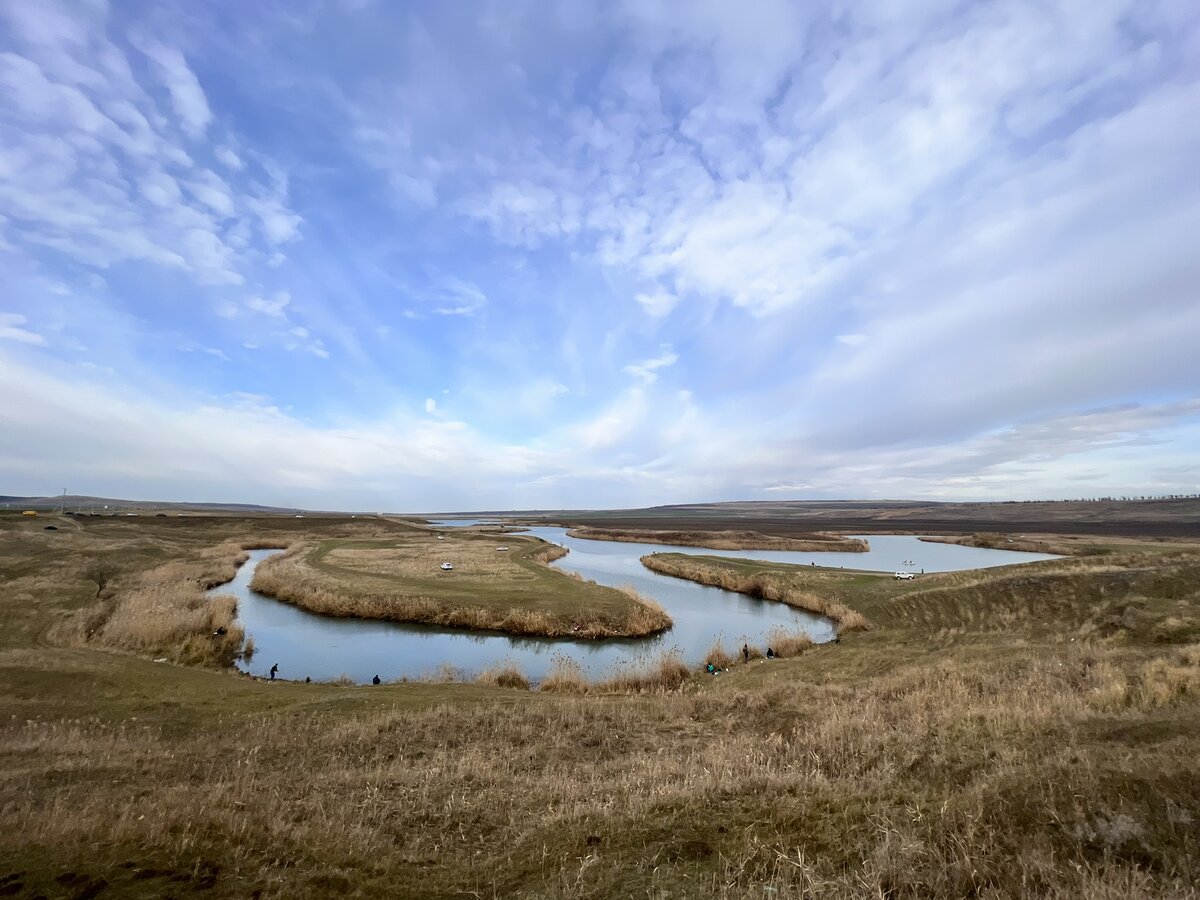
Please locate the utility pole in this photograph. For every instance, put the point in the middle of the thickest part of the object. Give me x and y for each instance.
(62, 503)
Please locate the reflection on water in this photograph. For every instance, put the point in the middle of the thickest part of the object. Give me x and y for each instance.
(305, 644)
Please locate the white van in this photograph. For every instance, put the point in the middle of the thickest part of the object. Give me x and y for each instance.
(905, 576)
(446, 567)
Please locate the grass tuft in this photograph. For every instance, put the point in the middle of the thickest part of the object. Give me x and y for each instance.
(506, 675)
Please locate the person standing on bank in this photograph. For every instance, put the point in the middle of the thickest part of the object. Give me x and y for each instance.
(745, 653)
(274, 670)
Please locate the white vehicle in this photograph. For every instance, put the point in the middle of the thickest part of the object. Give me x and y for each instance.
(905, 576)
(498, 549)
(446, 567)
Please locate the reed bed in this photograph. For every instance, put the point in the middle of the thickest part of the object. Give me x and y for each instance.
(166, 612)
(820, 542)
(763, 585)
(787, 642)
(666, 672)
(505, 675)
(1005, 542)
(290, 578)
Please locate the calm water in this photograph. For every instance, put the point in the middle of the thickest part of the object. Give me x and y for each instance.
(305, 644)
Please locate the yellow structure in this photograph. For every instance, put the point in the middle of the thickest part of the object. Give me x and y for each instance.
(29, 512)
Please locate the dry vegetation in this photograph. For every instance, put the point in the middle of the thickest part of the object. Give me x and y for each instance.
(757, 584)
(666, 672)
(165, 612)
(400, 580)
(1008, 542)
(1016, 733)
(820, 542)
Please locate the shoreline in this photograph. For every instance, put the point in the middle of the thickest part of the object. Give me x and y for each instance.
(302, 589)
(762, 586)
(999, 541)
(819, 542)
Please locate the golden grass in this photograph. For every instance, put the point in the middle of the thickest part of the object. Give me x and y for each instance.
(666, 672)
(1007, 542)
(927, 782)
(354, 582)
(787, 642)
(821, 542)
(766, 586)
(720, 658)
(1007, 734)
(565, 677)
(504, 675)
(165, 612)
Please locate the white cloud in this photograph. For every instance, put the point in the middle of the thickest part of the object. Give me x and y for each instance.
(456, 297)
(659, 303)
(11, 330)
(229, 158)
(646, 371)
(93, 169)
(430, 405)
(272, 306)
(852, 340)
(187, 97)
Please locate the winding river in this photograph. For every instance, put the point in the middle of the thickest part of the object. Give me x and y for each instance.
(322, 648)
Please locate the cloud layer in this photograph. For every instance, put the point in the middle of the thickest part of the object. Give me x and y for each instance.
(616, 254)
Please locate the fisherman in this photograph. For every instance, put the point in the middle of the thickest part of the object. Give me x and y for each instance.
(274, 670)
(711, 668)
(745, 653)
(770, 653)
(375, 680)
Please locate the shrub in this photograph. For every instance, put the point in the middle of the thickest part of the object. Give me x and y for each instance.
(506, 675)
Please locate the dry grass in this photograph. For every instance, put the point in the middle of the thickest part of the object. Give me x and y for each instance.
(165, 612)
(487, 591)
(1029, 733)
(766, 586)
(505, 675)
(565, 677)
(1008, 542)
(922, 783)
(821, 542)
(720, 658)
(666, 672)
(786, 642)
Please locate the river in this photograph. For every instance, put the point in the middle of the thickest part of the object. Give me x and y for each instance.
(308, 645)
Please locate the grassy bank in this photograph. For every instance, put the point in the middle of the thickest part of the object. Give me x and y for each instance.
(725, 540)
(400, 579)
(1009, 733)
(757, 583)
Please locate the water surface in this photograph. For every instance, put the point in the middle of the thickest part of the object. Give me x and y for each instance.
(322, 648)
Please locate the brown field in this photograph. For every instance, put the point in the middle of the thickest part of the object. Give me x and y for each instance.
(1018, 732)
(724, 540)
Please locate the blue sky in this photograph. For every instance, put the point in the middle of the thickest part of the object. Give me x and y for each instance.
(429, 256)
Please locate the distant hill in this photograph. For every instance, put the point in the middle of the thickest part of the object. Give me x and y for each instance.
(86, 503)
(1165, 517)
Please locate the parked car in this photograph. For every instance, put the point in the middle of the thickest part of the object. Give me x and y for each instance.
(446, 567)
(905, 576)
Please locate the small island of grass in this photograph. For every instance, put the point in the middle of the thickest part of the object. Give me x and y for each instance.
(402, 579)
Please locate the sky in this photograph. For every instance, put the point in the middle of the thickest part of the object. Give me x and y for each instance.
(496, 255)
